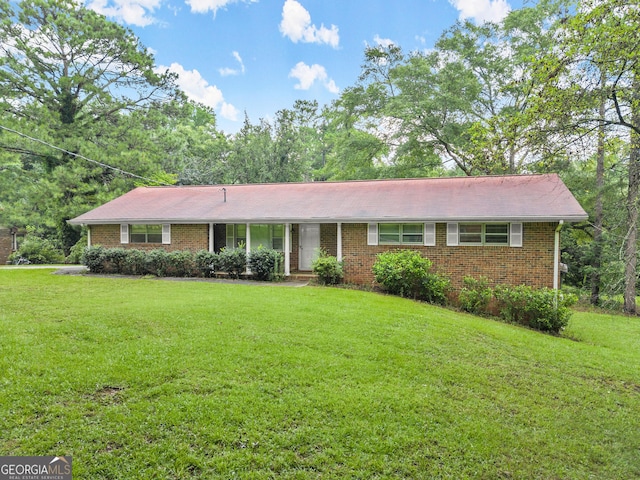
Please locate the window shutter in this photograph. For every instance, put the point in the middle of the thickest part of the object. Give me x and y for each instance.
(452, 234)
(166, 234)
(429, 234)
(515, 235)
(230, 243)
(372, 234)
(124, 233)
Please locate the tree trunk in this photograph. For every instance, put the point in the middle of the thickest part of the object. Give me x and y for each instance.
(598, 209)
(631, 246)
(631, 242)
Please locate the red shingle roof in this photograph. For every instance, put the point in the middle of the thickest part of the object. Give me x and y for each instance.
(496, 198)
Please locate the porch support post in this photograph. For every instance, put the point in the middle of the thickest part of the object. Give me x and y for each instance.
(556, 257)
(15, 239)
(211, 243)
(248, 246)
(339, 245)
(287, 249)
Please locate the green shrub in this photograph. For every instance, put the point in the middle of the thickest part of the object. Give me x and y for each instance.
(75, 255)
(134, 262)
(435, 288)
(233, 261)
(157, 262)
(328, 269)
(402, 272)
(37, 250)
(181, 263)
(94, 258)
(115, 260)
(207, 263)
(266, 264)
(475, 295)
(542, 309)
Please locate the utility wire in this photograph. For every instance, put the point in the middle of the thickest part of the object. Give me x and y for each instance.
(104, 165)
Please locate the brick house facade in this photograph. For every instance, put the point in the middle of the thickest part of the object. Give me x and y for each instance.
(503, 228)
(528, 264)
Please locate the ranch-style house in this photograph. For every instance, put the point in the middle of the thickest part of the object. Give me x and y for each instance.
(506, 228)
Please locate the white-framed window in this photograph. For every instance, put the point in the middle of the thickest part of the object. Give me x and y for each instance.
(267, 235)
(145, 233)
(483, 234)
(400, 233)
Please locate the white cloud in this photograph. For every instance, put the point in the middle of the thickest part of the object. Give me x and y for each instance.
(229, 112)
(204, 6)
(132, 12)
(482, 10)
(199, 90)
(308, 75)
(225, 72)
(383, 42)
(296, 24)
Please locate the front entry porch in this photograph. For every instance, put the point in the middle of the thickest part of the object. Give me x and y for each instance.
(300, 243)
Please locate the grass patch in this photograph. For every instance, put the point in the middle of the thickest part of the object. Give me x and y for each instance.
(145, 379)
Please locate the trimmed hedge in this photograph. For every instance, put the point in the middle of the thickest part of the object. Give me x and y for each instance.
(265, 264)
(161, 263)
(233, 261)
(542, 309)
(207, 263)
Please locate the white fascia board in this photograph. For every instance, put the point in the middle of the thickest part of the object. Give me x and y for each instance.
(275, 220)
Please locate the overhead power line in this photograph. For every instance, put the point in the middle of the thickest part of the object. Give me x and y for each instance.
(103, 165)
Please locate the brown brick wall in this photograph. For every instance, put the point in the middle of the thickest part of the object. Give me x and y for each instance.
(329, 238)
(5, 245)
(531, 264)
(183, 237)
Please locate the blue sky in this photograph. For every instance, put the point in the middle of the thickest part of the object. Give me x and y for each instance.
(259, 56)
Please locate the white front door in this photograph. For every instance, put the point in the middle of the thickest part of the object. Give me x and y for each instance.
(309, 245)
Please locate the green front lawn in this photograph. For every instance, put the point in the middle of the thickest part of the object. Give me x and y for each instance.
(145, 379)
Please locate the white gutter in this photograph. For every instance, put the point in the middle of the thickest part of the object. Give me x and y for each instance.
(337, 219)
(556, 261)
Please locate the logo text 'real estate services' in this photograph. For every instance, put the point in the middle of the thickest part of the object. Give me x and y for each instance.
(35, 468)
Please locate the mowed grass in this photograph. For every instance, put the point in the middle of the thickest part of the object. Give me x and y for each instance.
(158, 379)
